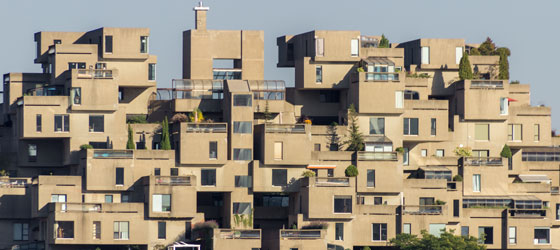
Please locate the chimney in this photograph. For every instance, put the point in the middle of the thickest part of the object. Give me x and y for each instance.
(200, 16)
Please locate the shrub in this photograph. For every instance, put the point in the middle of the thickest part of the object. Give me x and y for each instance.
(351, 171)
(504, 65)
(308, 173)
(196, 116)
(514, 82)
(136, 119)
(384, 42)
(506, 152)
(316, 225)
(399, 150)
(360, 69)
(356, 141)
(205, 225)
(458, 178)
(179, 117)
(165, 143)
(440, 202)
(86, 146)
(463, 151)
(465, 70)
(3, 172)
(366, 248)
(130, 141)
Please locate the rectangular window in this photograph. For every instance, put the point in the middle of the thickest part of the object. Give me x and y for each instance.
(21, 231)
(76, 65)
(330, 172)
(354, 48)
(376, 126)
(317, 147)
(108, 198)
(96, 230)
(465, 231)
(242, 127)
(38, 123)
(515, 132)
(108, 44)
(482, 132)
(61, 123)
(405, 156)
(208, 177)
(151, 71)
(241, 154)
(343, 204)
(440, 153)
(143, 44)
(371, 178)
(125, 198)
(278, 150)
(279, 177)
(319, 47)
(96, 123)
(188, 230)
(213, 150)
(120, 230)
(476, 182)
(424, 152)
(119, 176)
(379, 232)
(456, 208)
(537, 132)
(542, 235)
(57, 41)
(76, 96)
(480, 153)
(242, 101)
(243, 181)
(410, 126)
(433, 126)
(458, 54)
(557, 211)
(157, 171)
(407, 228)
(486, 235)
(242, 208)
(436, 229)
(377, 200)
(399, 99)
(504, 105)
(161, 235)
(161, 203)
(174, 171)
(339, 231)
(64, 229)
(318, 74)
(512, 235)
(32, 152)
(425, 54)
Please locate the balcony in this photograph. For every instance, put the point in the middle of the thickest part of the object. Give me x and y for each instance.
(301, 234)
(173, 180)
(285, 128)
(206, 127)
(483, 161)
(375, 77)
(96, 207)
(112, 154)
(423, 210)
(13, 182)
(377, 156)
(485, 84)
(94, 74)
(527, 212)
(332, 181)
(238, 233)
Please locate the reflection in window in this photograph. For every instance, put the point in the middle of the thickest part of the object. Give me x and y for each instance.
(76, 96)
(242, 101)
(64, 229)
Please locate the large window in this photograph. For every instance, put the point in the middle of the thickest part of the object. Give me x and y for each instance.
(108, 44)
(410, 126)
(242, 101)
(482, 132)
(339, 231)
(318, 74)
(476, 183)
(242, 208)
(242, 127)
(272, 200)
(515, 132)
(319, 47)
(64, 229)
(354, 48)
(436, 229)
(512, 235)
(465, 231)
(399, 99)
(38, 123)
(542, 235)
(96, 229)
(504, 105)
(61, 123)
(208, 177)
(343, 204)
(279, 177)
(425, 54)
(161, 203)
(406, 228)
(143, 44)
(376, 126)
(329, 96)
(151, 72)
(21, 231)
(213, 150)
(278, 150)
(120, 230)
(379, 232)
(411, 95)
(119, 176)
(32, 152)
(537, 132)
(96, 123)
(486, 235)
(243, 181)
(241, 154)
(371, 178)
(433, 126)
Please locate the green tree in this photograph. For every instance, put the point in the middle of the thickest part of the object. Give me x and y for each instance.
(333, 137)
(487, 48)
(351, 171)
(384, 42)
(504, 65)
(267, 115)
(130, 142)
(447, 240)
(356, 141)
(465, 70)
(474, 52)
(506, 152)
(165, 143)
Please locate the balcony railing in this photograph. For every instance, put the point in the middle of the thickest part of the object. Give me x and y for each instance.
(13, 182)
(95, 74)
(82, 207)
(332, 181)
(285, 128)
(486, 84)
(239, 234)
(527, 212)
(423, 209)
(377, 156)
(173, 180)
(112, 154)
(206, 128)
(381, 76)
(483, 161)
(301, 234)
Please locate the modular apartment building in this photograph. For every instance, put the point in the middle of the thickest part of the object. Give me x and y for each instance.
(241, 163)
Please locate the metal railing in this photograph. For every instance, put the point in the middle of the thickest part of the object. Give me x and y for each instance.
(285, 128)
(300, 234)
(377, 156)
(486, 84)
(95, 74)
(112, 154)
(483, 161)
(82, 207)
(381, 76)
(206, 128)
(239, 234)
(332, 181)
(13, 182)
(423, 209)
(527, 212)
(173, 180)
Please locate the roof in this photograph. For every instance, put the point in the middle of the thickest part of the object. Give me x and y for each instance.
(238, 86)
(379, 60)
(533, 178)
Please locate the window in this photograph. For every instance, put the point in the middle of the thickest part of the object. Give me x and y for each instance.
(242, 127)
(161, 203)
(504, 106)
(425, 54)
(241, 208)
(458, 54)
(465, 231)
(39, 123)
(208, 177)
(96, 123)
(279, 177)
(243, 181)
(318, 74)
(151, 71)
(330, 172)
(64, 229)
(406, 228)
(188, 230)
(376, 126)
(329, 96)
(440, 153)
(98, 145)
(108, 44)
(109, 198)
(61, 198)
(512, 235)
(76, 65)
(482, 132)
(272, 200)
(377, 200)
(405, 156)
(515, 132)
(411, 95)
(339, 231)
(399, 99)
(157, 171)
(174, 171)
(241, 154)
(436, 229)
(354, 48)
(213, 150)
(319, 47)
(542, 235)
(410, 126)
(424, 152)
(456, 208)
(125, 198)
(317, 147)
(379, 232)
(486, 235)
(242, 101)
(61, 123)
(480, 153)
(96, 230)
(76, 96)
(32, 152)
(537, 132)
(143, 44)
(278, 150)
(100, 65)
(120, 230)
(119, 176)
(476, 182)
(161, 235)
(433, 126)
(371, 178)
(557, 211)
(21, 231)
(343, 204)
(57, 41)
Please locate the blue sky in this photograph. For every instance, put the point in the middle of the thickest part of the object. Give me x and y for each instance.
(528, 28)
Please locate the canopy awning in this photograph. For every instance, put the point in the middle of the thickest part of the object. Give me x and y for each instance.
(379, 60)
(534, 178)
(321, 166)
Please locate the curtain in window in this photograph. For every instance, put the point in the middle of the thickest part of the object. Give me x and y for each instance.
(377, 126)
(476, 183)
(156, 203)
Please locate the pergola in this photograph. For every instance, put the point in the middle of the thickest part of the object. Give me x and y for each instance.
(181, 244)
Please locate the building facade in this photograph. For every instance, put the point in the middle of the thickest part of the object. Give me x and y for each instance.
(255, 164)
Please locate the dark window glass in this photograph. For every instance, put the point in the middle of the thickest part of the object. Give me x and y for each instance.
(151, 72)
(329, 96)
(376, 126)
(465, 231)
(57, 41)
(143, 44)
(279, 177)
(242, 100)
(98, 145)
(241, 208)
(486, 235)
(108, 44)
(174, 172)
(242, 127)
(213, 154)
(188, 230)
(343, 204)
(339, 231)
(410, 126)
(208, 177)
(379, 231)
(411, 95)
(242, 154)
(32, 153)
(96, 123)
(377, 200)
(456, 208)
(330, 173)
(433, 126)
(162, 230)
(61, 123)
(39, 125)
(243, 181)
(371, 178)
(157, 171)
(119, 173)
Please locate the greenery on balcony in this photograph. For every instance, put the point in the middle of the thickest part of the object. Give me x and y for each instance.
(316, 225)
(465, 70)
(308, 173)
(137, 119)
(351, 171)
(416, 75)
(356, 141)
(130, 141)
(384, 42)
(488, 48)
(447, 240)
(463, 151)
(165, 143)
(506, 152)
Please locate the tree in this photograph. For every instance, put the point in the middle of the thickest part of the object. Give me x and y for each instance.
(465, 70)
(267, 115)
(165, 143)
(130, 142)
(506, 152)
(351, 171)
(384, 42)
(356, 141)
(504, 65)
(447, 240)
(487, 48)
(334, 138)
(474, 52)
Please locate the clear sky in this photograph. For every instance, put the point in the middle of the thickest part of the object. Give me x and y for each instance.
(529, 28)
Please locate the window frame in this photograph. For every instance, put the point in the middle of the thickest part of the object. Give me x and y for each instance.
(108, 45)
(120, 234)
(64, 120)
(22, 232)
(208, 177)
(318, 74)
(512, 240)
(213, 150)
(408, 123)
(536, 240)
(95, 119)
(380, 122)
(152, 72)
(240, 127)
(38, 123)
(162, 230)
(165, 203)
(368, 181)
(382, 227)
(119, 176)
(477, 187)
(345, 199)
(144, 44)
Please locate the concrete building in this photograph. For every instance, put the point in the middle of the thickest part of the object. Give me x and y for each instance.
(255, 164)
